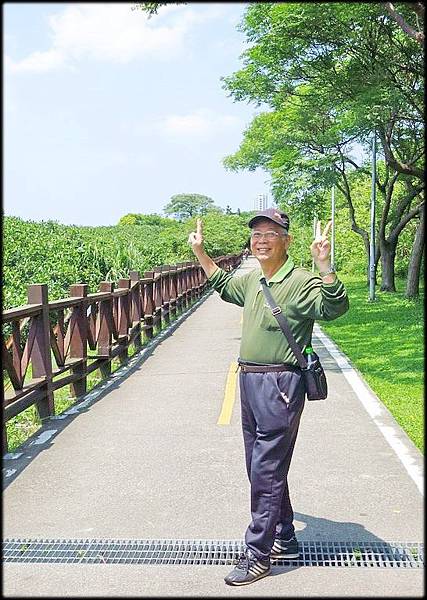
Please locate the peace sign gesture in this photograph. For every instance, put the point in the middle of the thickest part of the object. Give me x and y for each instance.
(321, 247)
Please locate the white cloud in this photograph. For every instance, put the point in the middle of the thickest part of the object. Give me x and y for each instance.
(202, 122)
(113, 33)
(37, 62)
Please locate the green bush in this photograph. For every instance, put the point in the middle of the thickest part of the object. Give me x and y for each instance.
(61, 255)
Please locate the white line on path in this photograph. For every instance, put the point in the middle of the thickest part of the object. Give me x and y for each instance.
(375, 410)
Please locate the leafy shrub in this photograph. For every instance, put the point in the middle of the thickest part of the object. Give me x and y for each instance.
(61, 255)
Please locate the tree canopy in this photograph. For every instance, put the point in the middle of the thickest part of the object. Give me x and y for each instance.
(332, 74)
(151, 8)
(184, 206)
(142, 219)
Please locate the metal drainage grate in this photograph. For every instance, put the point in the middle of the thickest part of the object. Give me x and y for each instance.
(210, 552)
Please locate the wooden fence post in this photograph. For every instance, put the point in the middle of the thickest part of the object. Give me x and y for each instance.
(105, 328)
(173, 290)
(78, 341)
(187, 285)
(40, 356)
(196, 280)
(200, 281)
(157, 295)
(188, 294)
(180, 287)
(193, 282)
(136, 308)
(123, 320)
(149, 304)
(165, 293)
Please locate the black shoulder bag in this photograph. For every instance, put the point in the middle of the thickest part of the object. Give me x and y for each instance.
(316, 386)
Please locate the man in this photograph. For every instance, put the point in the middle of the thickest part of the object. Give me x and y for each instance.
(271, 385)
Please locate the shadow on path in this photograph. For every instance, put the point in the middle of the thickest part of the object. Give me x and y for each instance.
(324, 542)
(53, 426)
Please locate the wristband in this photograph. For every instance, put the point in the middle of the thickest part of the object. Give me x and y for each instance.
(328, 272)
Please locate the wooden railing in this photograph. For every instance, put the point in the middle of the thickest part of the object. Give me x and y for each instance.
(105, 323)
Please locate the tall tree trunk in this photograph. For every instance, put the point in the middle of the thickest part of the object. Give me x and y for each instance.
(414, 268)
(388, 254)
(377, 260)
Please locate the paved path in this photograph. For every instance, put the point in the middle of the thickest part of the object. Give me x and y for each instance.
(147, 460)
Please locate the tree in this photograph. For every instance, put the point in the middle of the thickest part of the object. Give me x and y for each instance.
(222, 231)
(151, 8)
(332, 73)
(418, 8)
(413, 281)
(142, 219)
(184, 206)
(360, 67)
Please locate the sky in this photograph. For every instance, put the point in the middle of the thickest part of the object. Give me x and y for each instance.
(108, 112)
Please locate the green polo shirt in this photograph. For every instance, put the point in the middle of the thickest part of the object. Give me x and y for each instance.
(301, 295)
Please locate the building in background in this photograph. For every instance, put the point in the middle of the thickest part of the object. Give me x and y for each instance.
(261, 202)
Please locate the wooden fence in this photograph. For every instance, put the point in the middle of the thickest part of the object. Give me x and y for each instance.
(105, 323)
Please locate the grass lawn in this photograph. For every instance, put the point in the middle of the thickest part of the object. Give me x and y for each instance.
(384, 340)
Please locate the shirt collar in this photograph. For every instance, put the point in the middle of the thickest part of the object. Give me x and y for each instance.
(284, 270)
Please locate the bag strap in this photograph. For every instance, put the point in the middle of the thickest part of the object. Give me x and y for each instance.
(283, 323)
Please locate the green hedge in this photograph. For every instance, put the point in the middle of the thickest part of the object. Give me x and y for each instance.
(60, 255)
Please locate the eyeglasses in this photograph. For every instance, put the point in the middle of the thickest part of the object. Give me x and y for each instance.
(270, 236)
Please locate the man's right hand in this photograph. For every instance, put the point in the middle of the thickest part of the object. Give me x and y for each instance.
(196, 238)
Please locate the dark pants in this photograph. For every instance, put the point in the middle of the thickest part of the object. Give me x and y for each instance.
(271, 405)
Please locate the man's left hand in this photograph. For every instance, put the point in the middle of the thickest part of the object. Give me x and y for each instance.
(321, 247)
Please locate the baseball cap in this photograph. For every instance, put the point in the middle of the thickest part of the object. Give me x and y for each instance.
(273, 214)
